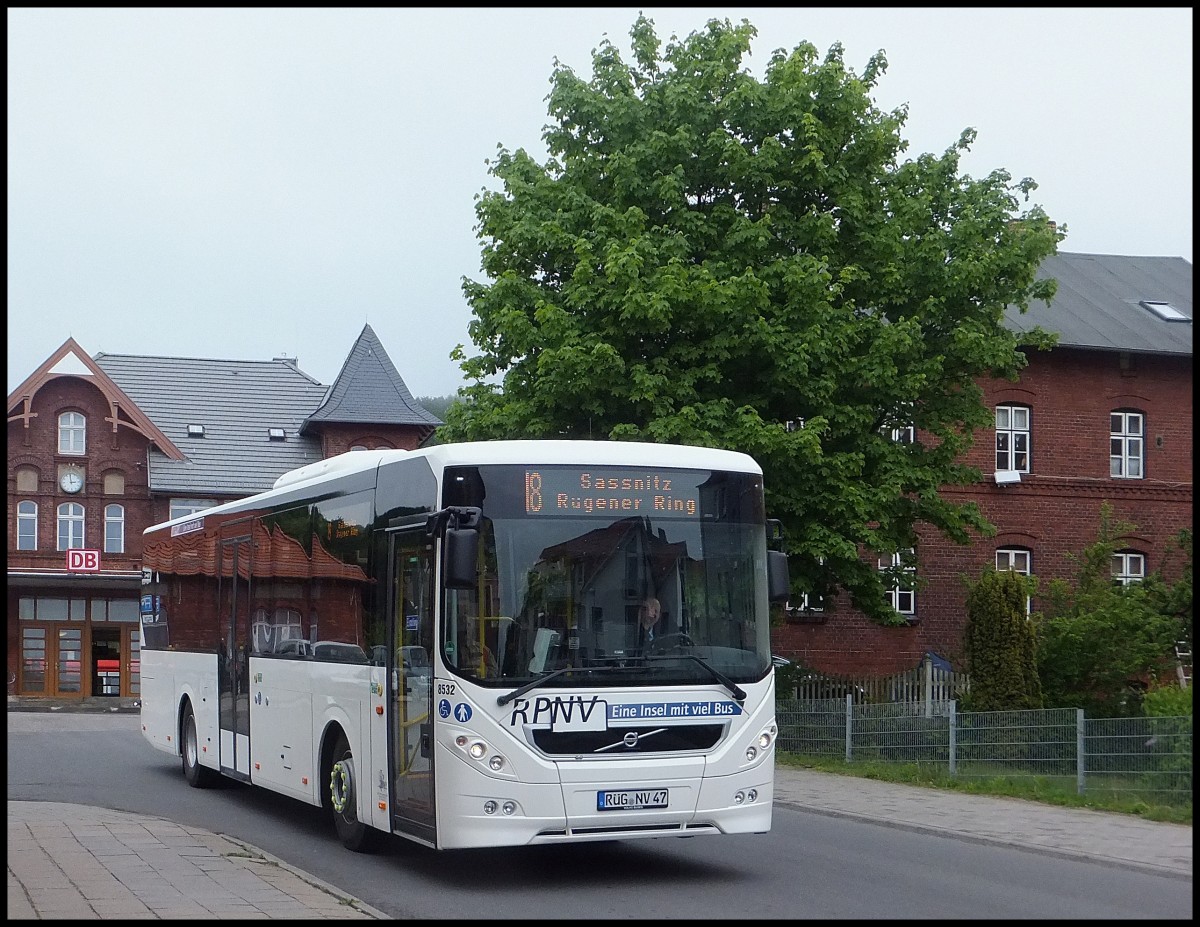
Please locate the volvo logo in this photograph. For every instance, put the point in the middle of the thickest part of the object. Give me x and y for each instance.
(629, 740)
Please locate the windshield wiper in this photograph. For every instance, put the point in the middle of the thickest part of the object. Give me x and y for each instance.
(534, 683)
(738, 692)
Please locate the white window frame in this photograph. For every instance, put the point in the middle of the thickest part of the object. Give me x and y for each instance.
(903, 600)
(70, 524)
(72, 434)
(1126, 444)
(1018, 560)
(1013, 437)
(114, 529)
(1129, 566)
(181, 507)
(809, 602)
(27, 524)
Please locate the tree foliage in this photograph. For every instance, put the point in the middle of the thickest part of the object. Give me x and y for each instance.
(1102, 643)
(1001, 644)
(710, 258)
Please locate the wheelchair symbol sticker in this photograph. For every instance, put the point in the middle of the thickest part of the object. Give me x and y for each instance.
(444, 708)
(462, 712)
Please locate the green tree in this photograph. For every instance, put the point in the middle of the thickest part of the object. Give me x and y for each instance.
(710, 258)
(1102, 643)
(1001, 644)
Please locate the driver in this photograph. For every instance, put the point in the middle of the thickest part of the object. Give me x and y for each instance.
(650, 623)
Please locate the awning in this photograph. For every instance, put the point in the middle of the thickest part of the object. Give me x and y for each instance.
(124, 580)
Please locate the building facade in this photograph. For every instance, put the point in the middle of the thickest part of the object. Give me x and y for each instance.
(1104, 417)
(100, 448)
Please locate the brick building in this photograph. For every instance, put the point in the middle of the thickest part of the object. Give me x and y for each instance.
(1106, 416)
(100, 448)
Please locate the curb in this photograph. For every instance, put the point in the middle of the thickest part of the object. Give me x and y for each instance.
(349, 900)
(991, 841)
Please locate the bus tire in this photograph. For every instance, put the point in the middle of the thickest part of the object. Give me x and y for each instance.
(198, 777)
(342, 788)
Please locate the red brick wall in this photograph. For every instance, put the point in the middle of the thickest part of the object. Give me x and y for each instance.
(1053, 511)
(123, 451)
(339, 438)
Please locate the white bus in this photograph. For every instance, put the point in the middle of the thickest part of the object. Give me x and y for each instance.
(444, 644)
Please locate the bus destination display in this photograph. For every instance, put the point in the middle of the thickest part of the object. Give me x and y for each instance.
(607, 493)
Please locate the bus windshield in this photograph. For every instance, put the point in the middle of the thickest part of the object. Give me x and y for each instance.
(653, 577)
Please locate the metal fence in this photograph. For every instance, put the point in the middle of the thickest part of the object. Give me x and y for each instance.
(1149, 758)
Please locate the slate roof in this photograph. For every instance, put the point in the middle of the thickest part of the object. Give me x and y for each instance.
(369, 390)
(236, 401)
(1098, 303)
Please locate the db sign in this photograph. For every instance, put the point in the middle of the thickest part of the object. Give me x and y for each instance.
(83, 561)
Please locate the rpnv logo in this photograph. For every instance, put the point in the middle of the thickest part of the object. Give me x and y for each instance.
(83, 561)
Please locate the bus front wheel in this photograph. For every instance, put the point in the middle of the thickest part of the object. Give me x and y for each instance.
(198, 777)
(343, 799)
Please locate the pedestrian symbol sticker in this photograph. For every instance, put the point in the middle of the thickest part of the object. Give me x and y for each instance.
(462, 712)
(444, 708)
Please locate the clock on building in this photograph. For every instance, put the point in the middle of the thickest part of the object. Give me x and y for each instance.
(71, 480)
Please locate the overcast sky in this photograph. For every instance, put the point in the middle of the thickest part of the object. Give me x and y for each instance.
(250, 183)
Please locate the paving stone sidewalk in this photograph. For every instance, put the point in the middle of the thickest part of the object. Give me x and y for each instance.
(1100, 836)
(84, 863)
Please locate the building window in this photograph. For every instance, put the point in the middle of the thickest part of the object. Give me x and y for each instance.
(1126, 444)
(114, 483)
(1012, 438)
(1165, 310)
(902, 594)
(114, 529)
(51, 609)
(72, 433)
(181, 507)
(27, 479)
(26, 525)
(905, 435)
(809, 602)
(1018, 560)
(115, 610)
(70, 526)
(1128, 567)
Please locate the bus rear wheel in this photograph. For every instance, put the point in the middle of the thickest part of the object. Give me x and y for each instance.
(343, 800)
(198, 777)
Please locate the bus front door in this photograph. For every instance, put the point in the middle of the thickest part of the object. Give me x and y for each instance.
(411, 734)
(233, 659)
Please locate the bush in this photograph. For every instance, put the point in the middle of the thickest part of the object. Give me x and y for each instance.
(1001, 644)
(1168, 702)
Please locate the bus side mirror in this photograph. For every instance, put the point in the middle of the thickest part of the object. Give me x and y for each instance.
(461, 545)
(779, 583)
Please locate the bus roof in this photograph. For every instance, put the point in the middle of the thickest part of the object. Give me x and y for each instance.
(473, 453)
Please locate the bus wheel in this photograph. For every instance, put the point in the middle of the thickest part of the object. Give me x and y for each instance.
(198, 777)
(343, 798)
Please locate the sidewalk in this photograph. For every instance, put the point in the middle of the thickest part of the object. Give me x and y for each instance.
(78, 862)
(1077, 833)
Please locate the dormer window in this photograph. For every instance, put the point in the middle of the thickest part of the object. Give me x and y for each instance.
(195, 431)
(275, 434)
(1164, 310)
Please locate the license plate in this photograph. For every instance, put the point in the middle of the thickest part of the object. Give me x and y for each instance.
(630, 799)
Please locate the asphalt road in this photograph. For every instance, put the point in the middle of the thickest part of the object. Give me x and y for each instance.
(809, 865)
